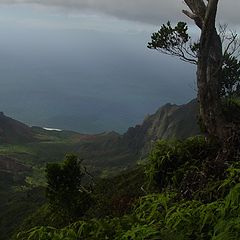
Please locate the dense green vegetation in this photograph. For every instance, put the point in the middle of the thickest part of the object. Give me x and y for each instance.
(181, 192)
(16, 206)
(67, 197)
(183, 171)
(102, 155)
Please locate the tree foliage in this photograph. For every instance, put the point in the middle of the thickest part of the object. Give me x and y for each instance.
(68, 198)
(176, 41)
(230, 81)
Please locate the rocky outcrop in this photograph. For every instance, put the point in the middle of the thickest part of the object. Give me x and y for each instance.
(170, 121)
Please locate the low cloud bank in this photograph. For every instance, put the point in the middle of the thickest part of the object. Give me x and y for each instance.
(147, 11)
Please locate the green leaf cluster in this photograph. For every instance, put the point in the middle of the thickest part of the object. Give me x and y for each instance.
(230, 81)
(67, 197)
(169, 37)
(177, 164)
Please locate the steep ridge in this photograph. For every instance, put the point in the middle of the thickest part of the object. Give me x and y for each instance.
(106, 149)
(170, 121)
(12, 131)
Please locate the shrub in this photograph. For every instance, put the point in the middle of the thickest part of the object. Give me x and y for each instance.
(68, 199)
(170, 162)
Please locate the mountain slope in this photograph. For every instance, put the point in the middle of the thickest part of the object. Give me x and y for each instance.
(12, 131)
(106, 149)
(170, 121)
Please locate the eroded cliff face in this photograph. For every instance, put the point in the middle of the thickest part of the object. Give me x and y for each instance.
(170, 121)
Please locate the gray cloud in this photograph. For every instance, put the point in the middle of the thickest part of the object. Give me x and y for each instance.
(149, 11)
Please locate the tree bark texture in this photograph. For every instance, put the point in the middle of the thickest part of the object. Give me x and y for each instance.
(209, 69)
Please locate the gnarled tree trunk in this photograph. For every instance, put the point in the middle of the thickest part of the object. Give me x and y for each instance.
(209, 68)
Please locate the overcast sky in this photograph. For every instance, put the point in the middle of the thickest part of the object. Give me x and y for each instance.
(148, 11)
(84, 65)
